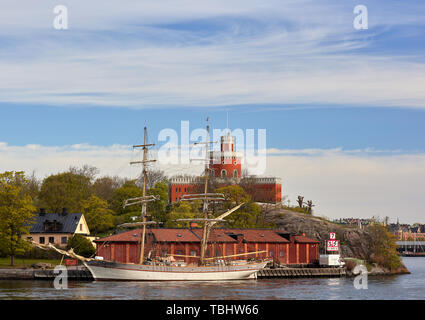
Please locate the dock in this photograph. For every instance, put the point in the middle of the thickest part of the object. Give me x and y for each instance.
(82, 274)
(301, 272)
(44, 274)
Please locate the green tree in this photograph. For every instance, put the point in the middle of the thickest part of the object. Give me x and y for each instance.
(65, 190)
(81, 245)
(181, 210)
(104, 187)
(128, 191)
(157, 209)
(383, 248)
(16, 214)
(98, 215)
(247, 215)
(234, 195)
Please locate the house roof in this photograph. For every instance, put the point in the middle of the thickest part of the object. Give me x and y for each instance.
(257, 235)
(168, 235)
(128, 236)
(304, 239)
(68, 222)
(216, 235)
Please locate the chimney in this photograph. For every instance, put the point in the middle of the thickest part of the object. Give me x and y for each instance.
(64, 211)
(42, 212)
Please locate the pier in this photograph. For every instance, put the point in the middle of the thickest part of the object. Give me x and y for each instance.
(411, 248)
(44, 274)
(301, 272)
(82, 274)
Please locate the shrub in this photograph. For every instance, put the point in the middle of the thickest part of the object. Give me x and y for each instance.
(81, 245)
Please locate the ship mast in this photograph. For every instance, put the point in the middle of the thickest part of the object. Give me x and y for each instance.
(144, 198)
(206, 229)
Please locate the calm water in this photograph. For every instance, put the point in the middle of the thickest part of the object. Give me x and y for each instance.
(392, 287)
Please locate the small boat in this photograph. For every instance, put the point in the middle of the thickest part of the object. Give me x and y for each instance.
(208, 268)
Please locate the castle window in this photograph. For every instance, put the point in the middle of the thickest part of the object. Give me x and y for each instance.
(223, 173)
(235, 173)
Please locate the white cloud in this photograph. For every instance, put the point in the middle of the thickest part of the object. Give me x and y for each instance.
(126, 54)
(340, 183)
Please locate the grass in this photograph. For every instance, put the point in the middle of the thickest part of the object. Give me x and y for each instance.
(25, 262)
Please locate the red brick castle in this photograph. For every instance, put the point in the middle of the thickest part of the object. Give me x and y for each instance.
(226, 169)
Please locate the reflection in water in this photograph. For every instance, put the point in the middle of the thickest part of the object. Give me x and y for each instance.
(393, 287)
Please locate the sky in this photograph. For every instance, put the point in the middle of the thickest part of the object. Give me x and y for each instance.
(344, 109)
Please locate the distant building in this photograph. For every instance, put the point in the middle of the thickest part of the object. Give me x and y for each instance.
(226, 169)
(284, 248)
(57, 228)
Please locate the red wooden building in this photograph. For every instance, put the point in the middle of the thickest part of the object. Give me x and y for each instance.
(283, 248)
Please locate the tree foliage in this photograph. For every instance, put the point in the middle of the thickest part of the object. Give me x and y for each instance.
(127, 191)
(98, 215)
(81, 245)
(16, 213)
(384, 248)
(247, 215)
(181, 210)
(158, 209)
(104, 187)
(65, 190)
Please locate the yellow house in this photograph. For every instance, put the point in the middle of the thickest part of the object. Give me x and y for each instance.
(56, 228)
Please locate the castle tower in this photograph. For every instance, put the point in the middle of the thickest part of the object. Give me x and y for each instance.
(226, 163)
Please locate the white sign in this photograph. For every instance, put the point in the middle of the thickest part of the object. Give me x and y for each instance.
(332, 245)
(332, 235)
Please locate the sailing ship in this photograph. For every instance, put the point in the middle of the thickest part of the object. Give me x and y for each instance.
(208, 268)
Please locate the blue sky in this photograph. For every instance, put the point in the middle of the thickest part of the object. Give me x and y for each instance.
(344, 109)
(294, 127)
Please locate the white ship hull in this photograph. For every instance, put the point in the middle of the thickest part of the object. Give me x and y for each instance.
(105, 270)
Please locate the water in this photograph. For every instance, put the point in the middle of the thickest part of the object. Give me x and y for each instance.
(410, 286)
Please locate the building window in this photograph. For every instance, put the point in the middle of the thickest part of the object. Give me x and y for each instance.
(223, 173)
(235, 173)
(282, 253)
(164, 253)
(51, 239)
(271, 253)
(193, 253)
(64, 240)
(179, 252)
(41, 240)
(81, 227)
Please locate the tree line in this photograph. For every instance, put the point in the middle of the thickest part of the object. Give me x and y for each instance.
(100, 199)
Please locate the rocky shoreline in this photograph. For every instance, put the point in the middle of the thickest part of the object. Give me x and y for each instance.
(355, 243)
